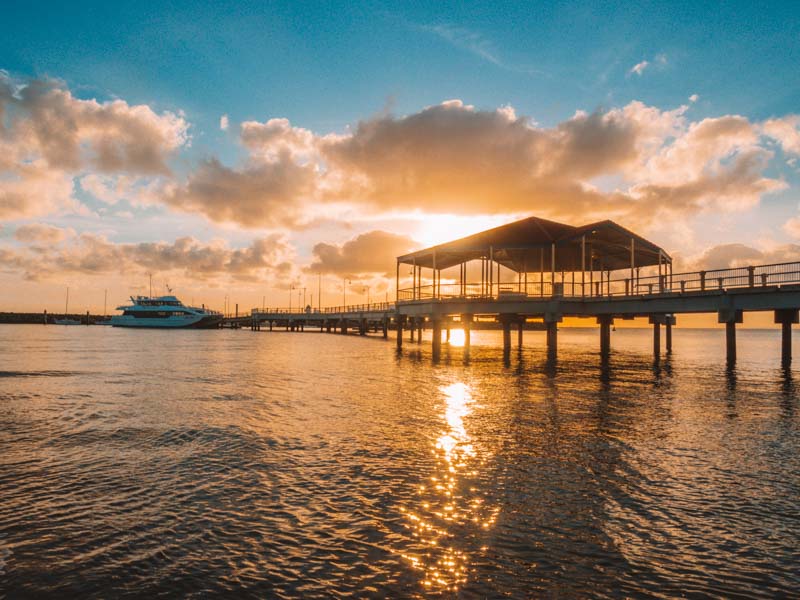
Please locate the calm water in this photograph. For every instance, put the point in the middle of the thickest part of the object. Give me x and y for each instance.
(202, 463)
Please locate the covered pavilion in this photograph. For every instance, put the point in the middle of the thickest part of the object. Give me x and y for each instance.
(546, 258)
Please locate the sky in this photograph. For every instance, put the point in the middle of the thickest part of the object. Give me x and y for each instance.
(240, 152)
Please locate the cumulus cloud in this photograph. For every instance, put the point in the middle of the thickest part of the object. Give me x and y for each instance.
(370, 253)
(223, 123)
(40, 233)
(261, 194)
(93, 254)
(785, 131)
(727, 256)
(47, 136)
(454, 158)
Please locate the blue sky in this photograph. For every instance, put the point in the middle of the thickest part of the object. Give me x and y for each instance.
(327, 66)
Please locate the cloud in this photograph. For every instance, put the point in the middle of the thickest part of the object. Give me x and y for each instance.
(48, 136)
(223, 123)
(785, 131)
(639, 68)
(367, 254)
(694, 98)
(93, 254)
(727, 256)
(40, 233)
(261, 194)
(466, 39)
(452, 158)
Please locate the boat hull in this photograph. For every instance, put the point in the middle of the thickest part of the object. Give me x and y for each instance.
(174, 322)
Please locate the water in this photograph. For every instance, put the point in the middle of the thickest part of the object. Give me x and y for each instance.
(203, 463)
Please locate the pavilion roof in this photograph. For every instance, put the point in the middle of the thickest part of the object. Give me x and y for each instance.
(527, 245)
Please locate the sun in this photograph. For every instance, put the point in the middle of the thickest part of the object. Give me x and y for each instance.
(438, 229)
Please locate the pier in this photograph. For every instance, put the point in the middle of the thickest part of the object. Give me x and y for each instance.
(535, 269)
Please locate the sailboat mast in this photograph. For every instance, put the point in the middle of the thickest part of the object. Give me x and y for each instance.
(66, 305)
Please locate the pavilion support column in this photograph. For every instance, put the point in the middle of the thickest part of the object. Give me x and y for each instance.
(786, 317)
(385, 327)
(447, 331)
(437, 337)
(730, 317)
(411, 324)
(551, 322)
(362, 330)
(399, 322)
(520, 327)
(605, 321)
(420, 328)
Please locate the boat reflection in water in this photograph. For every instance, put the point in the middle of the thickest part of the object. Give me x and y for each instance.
(450, 505)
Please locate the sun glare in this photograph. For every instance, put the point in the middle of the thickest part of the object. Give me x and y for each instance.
(457, 337)
(438, 229)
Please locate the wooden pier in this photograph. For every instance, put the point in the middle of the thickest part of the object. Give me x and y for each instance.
(538, 269)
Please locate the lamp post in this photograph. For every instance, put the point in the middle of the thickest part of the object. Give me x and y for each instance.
(345, 281)
(291, 289)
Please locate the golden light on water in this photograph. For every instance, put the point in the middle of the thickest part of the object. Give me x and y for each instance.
(449, 499)
(457, 338)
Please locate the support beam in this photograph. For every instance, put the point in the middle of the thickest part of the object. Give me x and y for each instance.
(551, 322)
(506, 321)
(786, 318)
(399, 321)
(466, 323)
(669, 337)
(656, 341)
(436, 340)
(730, 341)
(605, 334)
(730, 317)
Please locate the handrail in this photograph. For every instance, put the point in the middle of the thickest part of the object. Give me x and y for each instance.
(328, 310)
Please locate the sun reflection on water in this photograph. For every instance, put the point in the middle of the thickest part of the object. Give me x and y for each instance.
(450, 505)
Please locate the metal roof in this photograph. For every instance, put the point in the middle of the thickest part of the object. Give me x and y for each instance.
(526, 245)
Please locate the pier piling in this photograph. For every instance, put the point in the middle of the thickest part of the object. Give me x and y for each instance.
(786, 318)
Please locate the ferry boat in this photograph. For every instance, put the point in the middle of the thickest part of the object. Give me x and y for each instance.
(164, 312)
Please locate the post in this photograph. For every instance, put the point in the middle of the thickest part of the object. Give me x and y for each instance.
(552, 340)
(730, 341)
(520, 327)
(669, 337)
(466, 322)
(551, 321)
(786, 318)
(506, 322)
(45, 316)
(437, 337)
(411, 325)
(633, 262)
(491, 271)
(420, 328)
(385, 327)
(583, 266)
(656, 341)
(730, 317)
(399, 321)
(396, 284)
(605, 322)
(433, 289)
(553, 269)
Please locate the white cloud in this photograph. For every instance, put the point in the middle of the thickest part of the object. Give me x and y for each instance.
(223, 123)
(639, 68)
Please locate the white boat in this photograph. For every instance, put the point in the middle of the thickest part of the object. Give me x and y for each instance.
(164, 312)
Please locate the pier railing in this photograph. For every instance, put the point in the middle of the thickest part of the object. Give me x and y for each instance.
(602, 284)
(328, 310)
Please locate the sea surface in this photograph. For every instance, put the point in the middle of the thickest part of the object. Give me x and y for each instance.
(253, 464)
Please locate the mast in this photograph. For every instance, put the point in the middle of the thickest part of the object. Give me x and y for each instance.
(66, 304)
